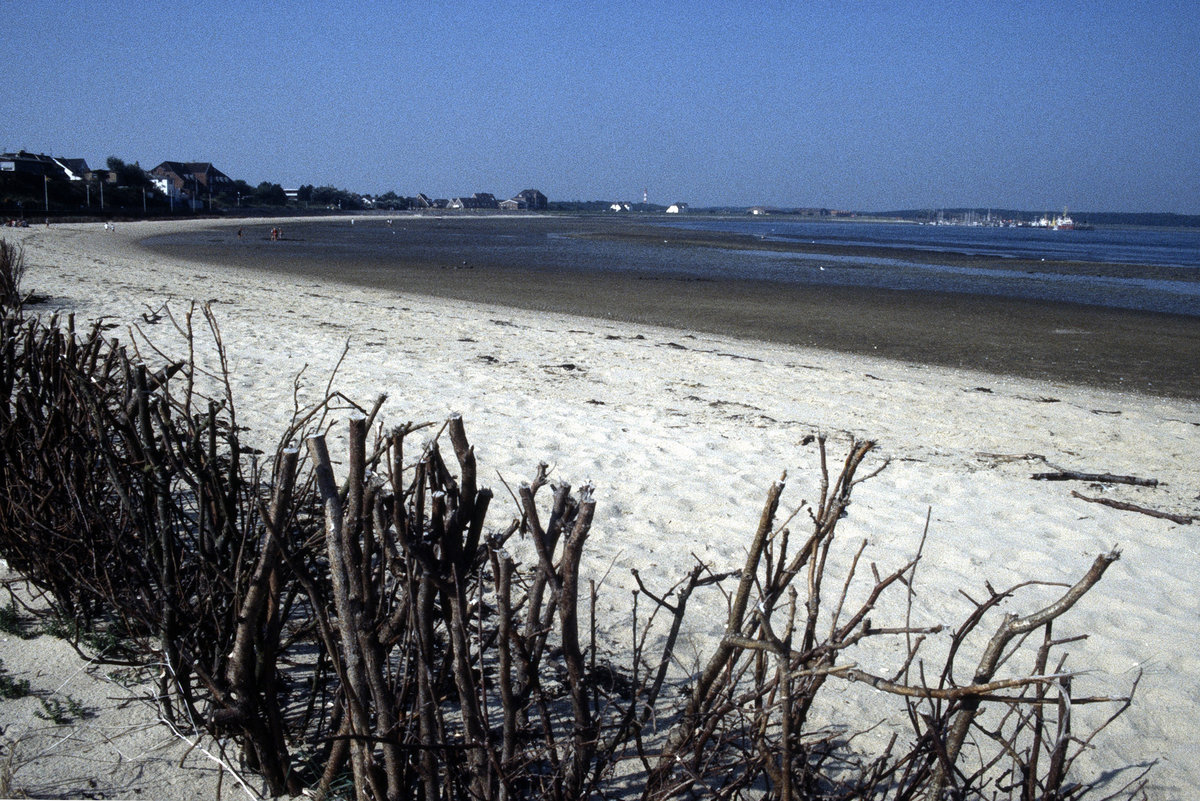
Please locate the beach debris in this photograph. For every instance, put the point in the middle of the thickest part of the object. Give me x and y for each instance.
(1183, 520)
(735, 356)
(1100, 478)
(153, 316)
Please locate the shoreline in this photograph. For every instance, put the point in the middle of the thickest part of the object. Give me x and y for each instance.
(1117, 349)
(682, 432)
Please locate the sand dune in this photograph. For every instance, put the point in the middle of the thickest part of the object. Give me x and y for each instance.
(682, 434)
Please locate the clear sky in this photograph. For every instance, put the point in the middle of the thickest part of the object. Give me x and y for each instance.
(852, 105)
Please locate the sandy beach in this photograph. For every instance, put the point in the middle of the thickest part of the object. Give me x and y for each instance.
(681, 432)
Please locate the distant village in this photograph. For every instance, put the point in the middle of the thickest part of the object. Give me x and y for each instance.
(34, 184)
(37, 183)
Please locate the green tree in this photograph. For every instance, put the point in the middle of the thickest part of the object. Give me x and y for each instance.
(324, 195)
(335, 198)
(270, 194)
(237, 192)
(131, 175)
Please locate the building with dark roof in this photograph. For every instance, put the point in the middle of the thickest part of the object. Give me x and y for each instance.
(39, 164)
(187, 178)
(532, 198)
(189, 181)
(480, 200)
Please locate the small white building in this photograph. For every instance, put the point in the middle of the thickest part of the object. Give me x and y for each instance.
(677, 208)
(621, 206)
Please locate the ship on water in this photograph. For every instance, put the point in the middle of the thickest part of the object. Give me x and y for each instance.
(1063, 222)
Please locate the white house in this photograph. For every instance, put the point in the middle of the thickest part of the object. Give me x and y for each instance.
(677, 208)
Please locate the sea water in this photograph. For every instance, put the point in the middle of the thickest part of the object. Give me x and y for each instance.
(1161, 274)
(1164, 247)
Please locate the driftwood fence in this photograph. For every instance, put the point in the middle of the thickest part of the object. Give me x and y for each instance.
(371, 635)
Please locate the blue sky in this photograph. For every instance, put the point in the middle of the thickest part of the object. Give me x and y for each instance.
(854, 104)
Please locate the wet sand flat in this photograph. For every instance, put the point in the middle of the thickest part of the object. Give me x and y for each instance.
(1090, 345)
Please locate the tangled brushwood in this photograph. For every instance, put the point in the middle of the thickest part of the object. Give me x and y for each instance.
(372, 635)
(12, 272)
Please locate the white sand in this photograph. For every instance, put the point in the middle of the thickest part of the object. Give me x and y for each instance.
(683, 434)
